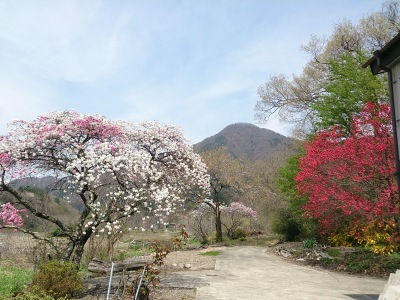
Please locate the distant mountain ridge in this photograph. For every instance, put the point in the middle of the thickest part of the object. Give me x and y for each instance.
(51, 185)
(33, 182)
(246, 140)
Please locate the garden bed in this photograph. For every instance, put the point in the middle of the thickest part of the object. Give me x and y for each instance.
(350, 260)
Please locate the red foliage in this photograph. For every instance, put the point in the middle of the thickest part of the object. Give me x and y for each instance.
(348, 179)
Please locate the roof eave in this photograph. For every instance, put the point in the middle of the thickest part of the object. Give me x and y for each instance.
(383, 58)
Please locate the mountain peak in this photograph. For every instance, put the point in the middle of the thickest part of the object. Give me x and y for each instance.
(245, 140)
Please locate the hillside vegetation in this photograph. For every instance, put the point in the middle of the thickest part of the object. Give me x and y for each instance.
(243, 140)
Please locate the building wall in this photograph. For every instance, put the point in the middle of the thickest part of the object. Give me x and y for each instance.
(396, 93)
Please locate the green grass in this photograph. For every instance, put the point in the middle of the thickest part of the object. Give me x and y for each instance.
(148, 235)
(210, 253)
(333, 252)
(133, 250)
(193, 243)
(13, 279)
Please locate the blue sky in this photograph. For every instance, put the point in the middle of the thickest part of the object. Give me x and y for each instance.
(195, 64)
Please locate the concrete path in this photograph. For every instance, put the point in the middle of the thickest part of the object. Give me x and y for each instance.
(250, 273)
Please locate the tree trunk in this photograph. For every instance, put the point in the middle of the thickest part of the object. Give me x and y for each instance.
(76, 256)
(229, 233)
(217, 212)
(218, 224)
(77, 253)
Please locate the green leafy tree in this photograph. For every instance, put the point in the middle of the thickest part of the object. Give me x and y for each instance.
(287, 184)
(290, 221)
(348, 88)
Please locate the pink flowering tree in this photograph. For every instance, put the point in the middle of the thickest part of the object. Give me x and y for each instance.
(234, 216)
(115, 169)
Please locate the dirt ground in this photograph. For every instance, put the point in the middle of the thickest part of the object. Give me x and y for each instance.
(176, 280)
(177, 260)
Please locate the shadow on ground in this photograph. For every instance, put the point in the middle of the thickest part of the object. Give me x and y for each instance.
(363, 296)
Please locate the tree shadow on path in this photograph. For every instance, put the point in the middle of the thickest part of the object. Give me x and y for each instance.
(363, 296)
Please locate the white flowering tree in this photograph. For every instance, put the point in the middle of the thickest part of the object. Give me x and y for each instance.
(116, 169)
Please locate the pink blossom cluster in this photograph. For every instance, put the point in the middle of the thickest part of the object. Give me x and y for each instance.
(10, 216)
(238, 208)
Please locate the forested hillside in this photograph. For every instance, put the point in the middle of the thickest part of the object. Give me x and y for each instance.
(244, 140)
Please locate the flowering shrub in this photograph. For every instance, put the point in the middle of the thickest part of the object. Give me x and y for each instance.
(349, 180)
(381, 237)
(345, 238)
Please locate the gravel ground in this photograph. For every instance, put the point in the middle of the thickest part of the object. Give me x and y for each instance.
(175, 286)
(173, 294)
